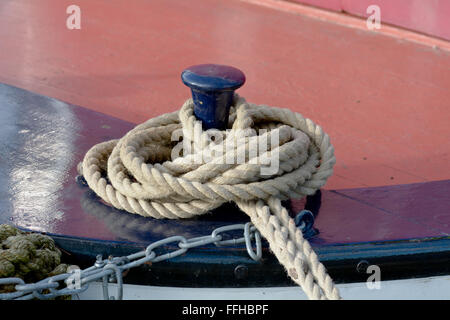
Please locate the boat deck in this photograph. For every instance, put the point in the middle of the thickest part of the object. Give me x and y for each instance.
(384, 100)
(383, 97)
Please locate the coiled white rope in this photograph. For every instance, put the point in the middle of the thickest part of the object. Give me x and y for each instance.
(138, 174)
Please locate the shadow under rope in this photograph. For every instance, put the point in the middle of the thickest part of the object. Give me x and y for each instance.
(135, 228)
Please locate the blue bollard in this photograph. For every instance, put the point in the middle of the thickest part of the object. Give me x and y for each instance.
(212, 87)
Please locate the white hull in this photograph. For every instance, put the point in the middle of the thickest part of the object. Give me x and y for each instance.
(410, 289)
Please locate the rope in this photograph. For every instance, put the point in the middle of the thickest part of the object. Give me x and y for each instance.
(148, 172)
(29, 256)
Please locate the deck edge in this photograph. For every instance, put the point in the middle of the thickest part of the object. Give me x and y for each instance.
(353, 22)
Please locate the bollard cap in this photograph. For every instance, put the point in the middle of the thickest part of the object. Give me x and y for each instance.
(213, 77)
(212, 87)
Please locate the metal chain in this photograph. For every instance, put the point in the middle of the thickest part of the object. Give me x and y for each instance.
(111, 269)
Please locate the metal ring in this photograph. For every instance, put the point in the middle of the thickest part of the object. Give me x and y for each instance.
(169, 255)
(248, 242)
(216, 234)
(119, 280)
(196, 242)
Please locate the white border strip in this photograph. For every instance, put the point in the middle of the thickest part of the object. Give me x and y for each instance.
(436, 288)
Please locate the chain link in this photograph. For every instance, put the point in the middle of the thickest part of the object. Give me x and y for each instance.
(111, 269)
